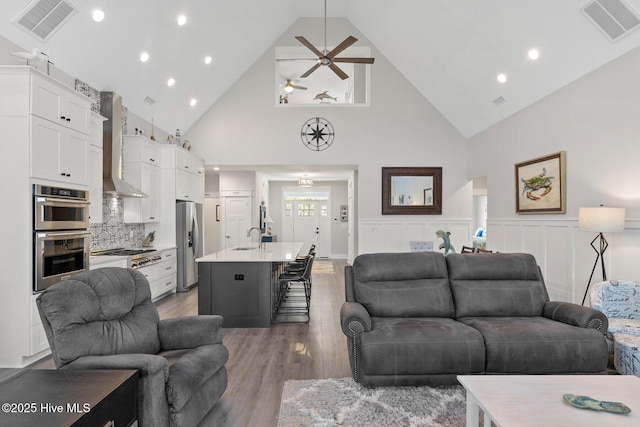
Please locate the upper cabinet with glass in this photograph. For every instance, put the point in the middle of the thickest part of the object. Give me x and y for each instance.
(323, 86)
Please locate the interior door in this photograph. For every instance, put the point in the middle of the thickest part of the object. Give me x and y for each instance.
(237, 221)
(311, 225)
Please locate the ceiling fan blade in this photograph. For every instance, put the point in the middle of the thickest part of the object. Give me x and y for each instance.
(299, 87)
(311, 47)
(342, 46)
(355, 60)
(338, 71)
(311, 70)
(295, 59)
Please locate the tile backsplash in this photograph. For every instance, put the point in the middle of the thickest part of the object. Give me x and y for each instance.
(113, 232)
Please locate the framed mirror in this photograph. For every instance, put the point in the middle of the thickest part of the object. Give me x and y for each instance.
(412, 191)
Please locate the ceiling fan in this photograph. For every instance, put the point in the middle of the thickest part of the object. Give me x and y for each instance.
(329, 58)
(290, 85)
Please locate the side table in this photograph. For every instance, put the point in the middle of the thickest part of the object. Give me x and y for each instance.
(39, 397)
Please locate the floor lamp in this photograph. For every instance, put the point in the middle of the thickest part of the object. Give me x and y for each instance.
(601, 220)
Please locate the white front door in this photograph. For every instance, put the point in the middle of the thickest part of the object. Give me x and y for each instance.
(237, 221)
(308, 222)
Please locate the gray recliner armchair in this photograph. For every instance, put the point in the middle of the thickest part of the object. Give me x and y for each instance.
(104, 319)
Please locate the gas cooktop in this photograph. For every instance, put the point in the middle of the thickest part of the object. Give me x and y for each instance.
(122, 252)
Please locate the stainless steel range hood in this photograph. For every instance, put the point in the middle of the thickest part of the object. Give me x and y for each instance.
(111, 108)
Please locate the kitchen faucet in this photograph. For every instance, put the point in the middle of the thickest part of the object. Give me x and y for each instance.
(259, 236)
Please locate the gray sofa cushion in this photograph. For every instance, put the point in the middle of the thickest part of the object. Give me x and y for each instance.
(537, 345)
(496, 285)
(419, 346)
(403, 284)
(100, 316)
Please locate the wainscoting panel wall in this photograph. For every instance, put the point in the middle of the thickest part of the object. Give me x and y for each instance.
(564, 253)
(394, 235)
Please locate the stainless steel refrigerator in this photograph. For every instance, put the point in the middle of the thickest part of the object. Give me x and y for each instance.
(188, 239)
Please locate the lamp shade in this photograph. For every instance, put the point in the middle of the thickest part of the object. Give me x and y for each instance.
(268, 220)
(601, 219)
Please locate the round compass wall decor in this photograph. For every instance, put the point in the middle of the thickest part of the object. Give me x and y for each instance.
(317, 134)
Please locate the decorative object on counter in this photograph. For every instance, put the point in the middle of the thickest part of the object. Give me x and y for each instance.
(170, 139)
(178, 142)
(446, 243)
(35, 56)
(586, 402)
(138, 131)
(540, 185)
(317, 134)
(324, 97)
(149, 239)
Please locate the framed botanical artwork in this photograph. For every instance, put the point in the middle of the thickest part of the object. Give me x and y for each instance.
(540, 185)
(412, 191)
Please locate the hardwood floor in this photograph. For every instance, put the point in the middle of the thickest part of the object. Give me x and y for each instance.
(261, 360)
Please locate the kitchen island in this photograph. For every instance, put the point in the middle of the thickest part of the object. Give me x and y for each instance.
(241, 284)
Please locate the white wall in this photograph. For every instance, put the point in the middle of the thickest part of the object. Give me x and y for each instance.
(400, 128)
(596, 121)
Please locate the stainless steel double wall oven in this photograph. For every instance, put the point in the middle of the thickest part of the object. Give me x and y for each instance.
(61, 237)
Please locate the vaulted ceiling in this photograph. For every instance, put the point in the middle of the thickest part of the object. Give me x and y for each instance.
(451, 51)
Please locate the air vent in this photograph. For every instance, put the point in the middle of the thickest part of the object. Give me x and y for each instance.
(43, 17)
(499, 100)
(149, 100)
(614, 17)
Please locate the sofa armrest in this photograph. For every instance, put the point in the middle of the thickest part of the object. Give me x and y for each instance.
(576, 315)
(190, 332)
(146, 364)
(354, 319)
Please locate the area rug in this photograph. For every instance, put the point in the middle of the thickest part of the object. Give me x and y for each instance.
(322, 267)
(342, 402)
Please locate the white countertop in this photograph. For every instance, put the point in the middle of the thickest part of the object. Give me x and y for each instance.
(271, 252)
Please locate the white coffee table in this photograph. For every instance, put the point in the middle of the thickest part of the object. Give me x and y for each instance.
(536, 400)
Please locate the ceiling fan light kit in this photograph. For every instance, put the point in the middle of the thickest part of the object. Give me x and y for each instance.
(328, 58)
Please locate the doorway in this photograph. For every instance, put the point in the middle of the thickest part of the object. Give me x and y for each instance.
(306, 219)
(237, 220)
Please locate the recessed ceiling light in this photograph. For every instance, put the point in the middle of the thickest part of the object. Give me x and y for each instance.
(193, 102)
(533, 54)
(182, 20)
(502, 78)
(208, 60)
(171, 81)
(98, 15)
(144, 57)
(216, 168)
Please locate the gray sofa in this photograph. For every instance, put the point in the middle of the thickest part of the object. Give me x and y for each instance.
(104, 319)
(422, 319)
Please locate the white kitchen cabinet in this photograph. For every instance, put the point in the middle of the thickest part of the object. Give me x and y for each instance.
(95, 168)
(138, 148)
(189, 171)
(58, 153)
(141, 160)
(162, 276)
(40, 146)
(59, 104)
